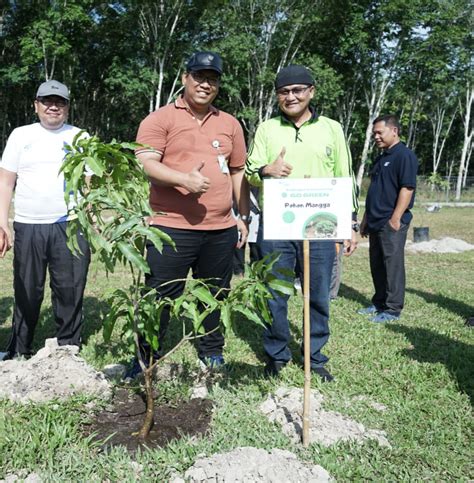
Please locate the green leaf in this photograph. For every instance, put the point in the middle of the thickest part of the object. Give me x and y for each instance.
(249, 314)
(204, 295)
(133, 256)
(95, 165)
(225, 317)
(282, 286)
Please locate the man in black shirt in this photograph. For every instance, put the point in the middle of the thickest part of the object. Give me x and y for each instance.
(387, 218)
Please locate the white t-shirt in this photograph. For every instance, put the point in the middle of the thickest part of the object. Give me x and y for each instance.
(36, 154)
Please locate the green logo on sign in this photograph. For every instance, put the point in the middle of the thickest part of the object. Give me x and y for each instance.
(288, 217)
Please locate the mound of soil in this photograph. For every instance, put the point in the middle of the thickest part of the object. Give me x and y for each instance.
(444, 245)
(254, 465)
(326, 427)
(121, 421)
(55, 372)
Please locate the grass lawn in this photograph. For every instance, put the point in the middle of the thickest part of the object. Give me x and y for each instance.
(420, 367)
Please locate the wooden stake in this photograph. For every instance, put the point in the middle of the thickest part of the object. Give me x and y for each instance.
(306, 343)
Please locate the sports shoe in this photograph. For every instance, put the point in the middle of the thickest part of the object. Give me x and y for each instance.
(213, 362)
(323, 373)
(370, 310)
(383, 317)
(273, 368)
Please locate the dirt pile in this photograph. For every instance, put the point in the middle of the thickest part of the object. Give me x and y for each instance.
(326, 427)
(245, 465)
(55, 372)
(444, 245)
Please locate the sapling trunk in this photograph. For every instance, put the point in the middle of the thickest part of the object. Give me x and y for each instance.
(150, 404)
(120, 185)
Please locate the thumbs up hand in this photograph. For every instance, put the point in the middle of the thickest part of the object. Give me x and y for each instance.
(279, 168)
(196, 182)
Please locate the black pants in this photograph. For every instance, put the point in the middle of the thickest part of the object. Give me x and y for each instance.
(209, 254)
(239, 257)
(387, 264)
(36, 249)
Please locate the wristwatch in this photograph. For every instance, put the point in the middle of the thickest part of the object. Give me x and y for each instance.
(245, 218)
(356, 226)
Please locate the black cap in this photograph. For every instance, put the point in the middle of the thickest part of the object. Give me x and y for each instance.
(293, 74)
(204, 61)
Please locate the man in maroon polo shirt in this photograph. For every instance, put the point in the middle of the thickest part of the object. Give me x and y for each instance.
(196, 166)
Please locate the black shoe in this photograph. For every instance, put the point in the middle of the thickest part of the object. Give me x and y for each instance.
(273, 368)
(323, 373)
(15, 356)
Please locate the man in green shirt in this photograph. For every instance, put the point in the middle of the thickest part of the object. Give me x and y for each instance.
(299, 143)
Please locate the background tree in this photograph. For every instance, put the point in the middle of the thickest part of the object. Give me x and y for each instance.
(123, 59)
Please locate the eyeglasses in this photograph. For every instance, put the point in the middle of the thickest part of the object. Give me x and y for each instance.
(48, 101)
(297, 91)
(201, 78)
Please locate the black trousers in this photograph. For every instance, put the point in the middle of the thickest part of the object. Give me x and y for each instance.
(36, 249)
(387, 265)
(239, 257)
(209, 254)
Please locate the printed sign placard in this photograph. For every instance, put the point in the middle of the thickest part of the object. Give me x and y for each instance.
(307, 209)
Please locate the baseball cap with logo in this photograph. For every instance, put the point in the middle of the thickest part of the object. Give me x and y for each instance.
(205, 61)
(53, 88)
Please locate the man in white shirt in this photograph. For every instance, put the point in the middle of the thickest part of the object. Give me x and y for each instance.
(30, 167)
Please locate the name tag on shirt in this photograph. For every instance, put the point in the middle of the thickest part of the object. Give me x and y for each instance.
(223, 164)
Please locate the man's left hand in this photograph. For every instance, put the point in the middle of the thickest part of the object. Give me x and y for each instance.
(350, 245)
(243, 231)
(394, 223)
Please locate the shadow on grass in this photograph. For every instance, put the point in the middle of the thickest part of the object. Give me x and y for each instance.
(352, 294)
(457, 357)
(6, 309)
(252, 334)
(93, 310)
(454, 306)
(46, 327)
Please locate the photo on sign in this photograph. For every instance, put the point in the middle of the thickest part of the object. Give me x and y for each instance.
(320, 225)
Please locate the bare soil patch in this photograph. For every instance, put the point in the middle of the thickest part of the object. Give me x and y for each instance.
(443, 245)
(247, 464)
(120, 422)
(326, 427)
(55, 372)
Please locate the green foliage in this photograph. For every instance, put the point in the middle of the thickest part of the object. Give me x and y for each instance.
(420, 368)
(123, 59)
(111, 207)
(436, 180)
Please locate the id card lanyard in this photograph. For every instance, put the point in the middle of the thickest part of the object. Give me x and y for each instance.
(220, 158)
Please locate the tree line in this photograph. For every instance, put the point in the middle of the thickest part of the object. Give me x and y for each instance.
(124, 59)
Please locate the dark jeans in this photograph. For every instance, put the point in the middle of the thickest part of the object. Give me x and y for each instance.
(36, 249)
(387, 264)
(277, 335)
(209, 254)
